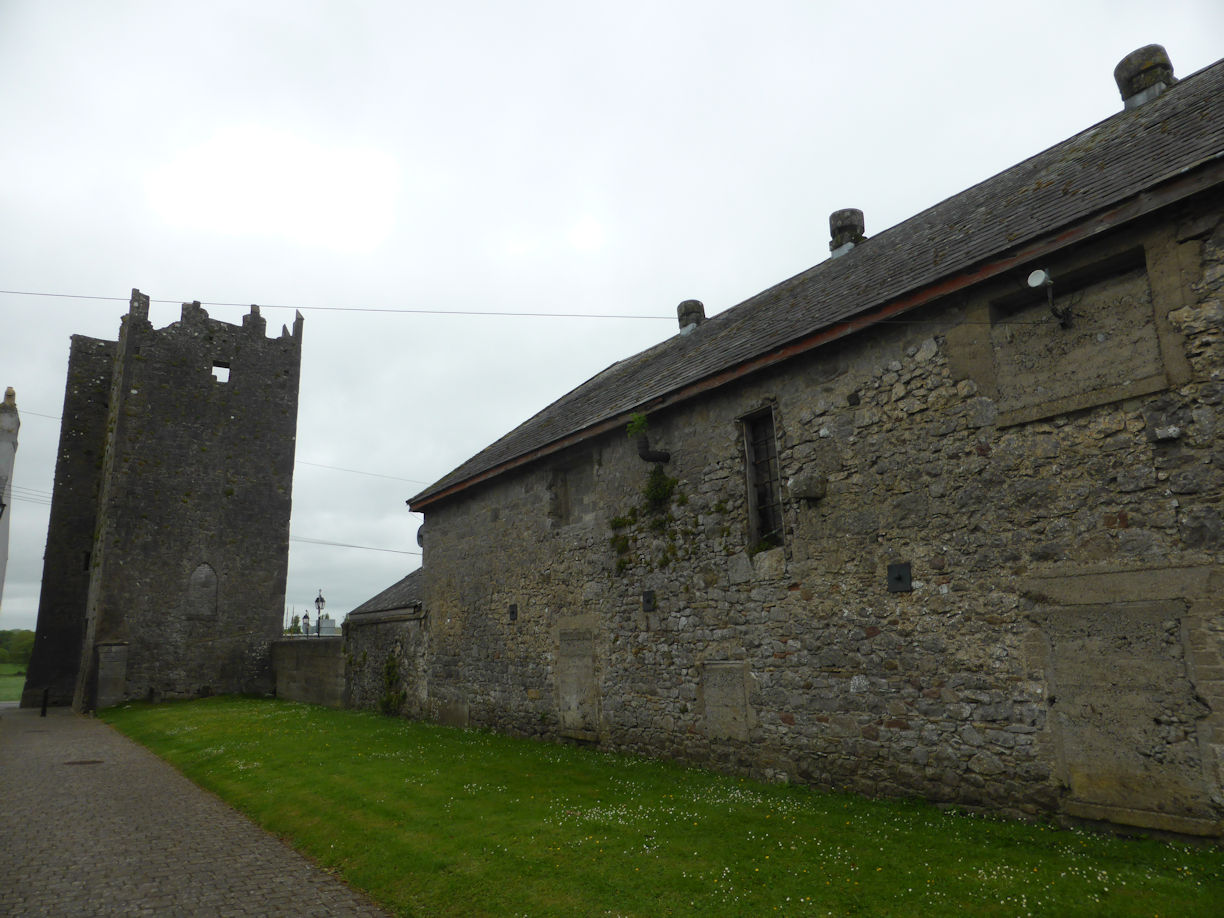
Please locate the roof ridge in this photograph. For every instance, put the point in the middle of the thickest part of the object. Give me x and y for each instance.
(1065, 184)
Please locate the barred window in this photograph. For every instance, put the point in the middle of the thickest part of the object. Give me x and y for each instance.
(764, 491)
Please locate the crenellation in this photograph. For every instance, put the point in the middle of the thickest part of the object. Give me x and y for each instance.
(255, 323)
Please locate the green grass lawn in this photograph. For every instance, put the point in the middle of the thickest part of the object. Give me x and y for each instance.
(438, 821)
(12, 680)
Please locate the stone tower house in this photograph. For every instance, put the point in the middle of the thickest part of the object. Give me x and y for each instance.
(168, 543)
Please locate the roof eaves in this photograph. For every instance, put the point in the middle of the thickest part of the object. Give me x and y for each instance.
(1105, 174)
(1139, 204)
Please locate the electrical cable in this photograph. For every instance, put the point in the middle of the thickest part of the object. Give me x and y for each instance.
(383, 309)
(395, 551)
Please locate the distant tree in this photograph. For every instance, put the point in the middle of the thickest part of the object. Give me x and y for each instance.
(16, 646)
(295, 625)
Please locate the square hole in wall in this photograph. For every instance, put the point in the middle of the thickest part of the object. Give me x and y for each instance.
(221, 371)
(899, 578)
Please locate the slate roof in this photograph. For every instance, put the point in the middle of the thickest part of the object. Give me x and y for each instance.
(1093, 171)
(404, 594)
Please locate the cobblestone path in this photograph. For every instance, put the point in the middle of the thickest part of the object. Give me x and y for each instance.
(93, 824)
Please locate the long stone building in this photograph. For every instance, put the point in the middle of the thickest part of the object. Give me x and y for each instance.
(939, 516)
(168, 542)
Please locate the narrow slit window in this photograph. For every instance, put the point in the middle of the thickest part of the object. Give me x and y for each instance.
(764, 490)
(221, 371)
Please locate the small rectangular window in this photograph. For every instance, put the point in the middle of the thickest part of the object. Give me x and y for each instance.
(764, 488)
(221, 371)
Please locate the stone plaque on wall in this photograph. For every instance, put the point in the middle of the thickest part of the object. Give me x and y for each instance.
(724, 688)
(1124, 712)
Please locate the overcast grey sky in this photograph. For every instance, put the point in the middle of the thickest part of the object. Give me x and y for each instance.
(604, 159)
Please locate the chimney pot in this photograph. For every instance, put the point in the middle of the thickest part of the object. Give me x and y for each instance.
(846, 227)
(1143, 75)
(690, 313)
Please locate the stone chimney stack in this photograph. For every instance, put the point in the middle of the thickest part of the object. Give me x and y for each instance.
(691, 314)
(1143, 75)
(846, 227)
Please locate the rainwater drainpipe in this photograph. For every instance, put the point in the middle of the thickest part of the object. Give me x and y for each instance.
(648, 454)
(690, 314)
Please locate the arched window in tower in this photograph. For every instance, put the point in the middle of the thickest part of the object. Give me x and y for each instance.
(202, 594)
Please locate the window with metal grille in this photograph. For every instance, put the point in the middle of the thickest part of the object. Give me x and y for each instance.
(764, 492)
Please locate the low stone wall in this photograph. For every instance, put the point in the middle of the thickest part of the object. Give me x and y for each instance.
(384, 662)
(310, 670)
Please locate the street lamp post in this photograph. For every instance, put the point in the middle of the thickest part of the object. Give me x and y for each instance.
(320, 602)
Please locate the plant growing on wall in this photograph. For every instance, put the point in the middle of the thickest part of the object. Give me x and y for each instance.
(659, 489)
(393, 695)
(637, 425)
(658, 495)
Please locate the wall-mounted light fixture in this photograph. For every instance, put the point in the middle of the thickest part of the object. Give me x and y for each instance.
(1042, 278)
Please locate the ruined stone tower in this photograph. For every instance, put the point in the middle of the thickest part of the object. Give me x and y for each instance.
(168, 543)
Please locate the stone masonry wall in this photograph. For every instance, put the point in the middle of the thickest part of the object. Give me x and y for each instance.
(310, 670)
(1060, 645)
(384, 662)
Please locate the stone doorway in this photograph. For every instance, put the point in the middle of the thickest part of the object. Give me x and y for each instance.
(576, 688)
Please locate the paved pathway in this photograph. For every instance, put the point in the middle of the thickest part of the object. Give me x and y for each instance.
(93, 824)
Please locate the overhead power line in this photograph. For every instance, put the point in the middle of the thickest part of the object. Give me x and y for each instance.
(47, 503)
(405, 310)
(317, 465)
(336, 468)
(396, 551)
(41, 501)
(30, 492)
(24, 413)
(409, 310)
